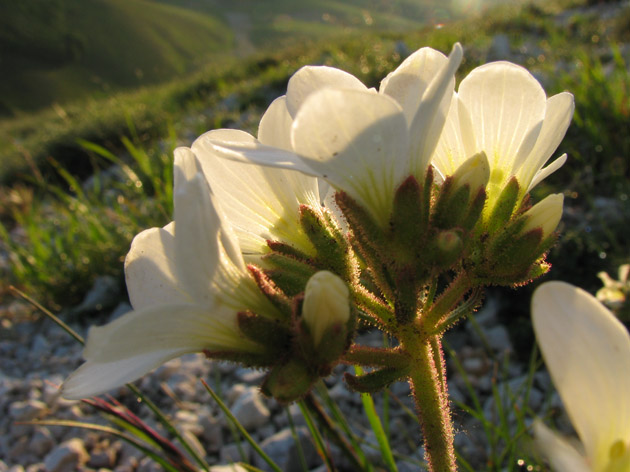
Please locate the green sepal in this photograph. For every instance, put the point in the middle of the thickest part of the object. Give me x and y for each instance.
(407, 226)
(288, 274)
(375, 381)
(248, 359)
(503, 207)
(367, 239)
(366, 231)
(451, 205)
(287, 250)
(271, 333)
(273, 293)
(331, 252)
(289, 381)
(475, 209)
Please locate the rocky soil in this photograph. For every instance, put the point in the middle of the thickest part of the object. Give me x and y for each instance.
(37, 355)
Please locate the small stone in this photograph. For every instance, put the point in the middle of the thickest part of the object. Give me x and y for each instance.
(67, 457)
(41, 442)
(474, 365)
(499, 339)
(232, 452)
(227, 468)
(282, 449)
(27, 410)
(102, 458)
(250, 410)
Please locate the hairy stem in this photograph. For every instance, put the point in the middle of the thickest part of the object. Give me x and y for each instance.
(428, 387)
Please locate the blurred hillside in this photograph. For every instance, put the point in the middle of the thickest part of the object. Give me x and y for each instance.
(55, 51)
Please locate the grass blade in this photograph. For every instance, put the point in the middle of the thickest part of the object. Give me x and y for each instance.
(242, 430)
(377, 427)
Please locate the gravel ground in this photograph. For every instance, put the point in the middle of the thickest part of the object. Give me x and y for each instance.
(37, 355)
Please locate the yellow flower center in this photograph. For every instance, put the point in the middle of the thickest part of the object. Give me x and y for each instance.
(619, 455)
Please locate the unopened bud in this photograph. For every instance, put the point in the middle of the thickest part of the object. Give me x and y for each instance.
(474, 172)
(326, 303)
(545, 214)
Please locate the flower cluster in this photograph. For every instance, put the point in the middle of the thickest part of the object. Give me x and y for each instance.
(353, 205)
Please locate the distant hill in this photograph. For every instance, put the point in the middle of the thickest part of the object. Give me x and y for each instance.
(58, 50)
(55, 51)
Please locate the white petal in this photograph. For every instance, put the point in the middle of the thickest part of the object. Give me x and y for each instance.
(140, 341)
(547, 171)
(242, 147)
(427, 124)
(357, 141)
(310, 79)
(275, 125)
(587, 352)
(560, 453)
(505, 102)
(410, 80)
(557, 119)
(260, 203)
(204, 244)
(150, 269)
(456, 143)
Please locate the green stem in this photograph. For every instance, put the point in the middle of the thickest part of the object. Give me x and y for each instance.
(368, 302)
(447, 300)
(375, 357)
(431, 399)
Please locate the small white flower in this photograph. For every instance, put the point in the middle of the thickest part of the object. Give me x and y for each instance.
(186, 282)
(362, 142)
(587, 352)
(500, 109)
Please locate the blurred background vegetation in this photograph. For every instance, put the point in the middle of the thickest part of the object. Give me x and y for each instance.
(95, 95)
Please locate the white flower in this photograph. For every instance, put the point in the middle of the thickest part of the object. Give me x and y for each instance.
(587, 352)
(186, 281)
(501, 110)
(362, 142)
(260, 203)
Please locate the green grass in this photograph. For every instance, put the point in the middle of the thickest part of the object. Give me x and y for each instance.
(96, 47)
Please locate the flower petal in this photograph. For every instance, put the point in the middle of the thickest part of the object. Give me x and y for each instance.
(410, 80)
(204, 244)
(428, 121)
(275, 125)
(140, 341)
(457, 143)
(260, 203)
(310, 79)
(557, 119)
(547, 171)
(560, 453)
(506, 102)
(587, 352)
(358, 141)
(243, 147)
(150, 269)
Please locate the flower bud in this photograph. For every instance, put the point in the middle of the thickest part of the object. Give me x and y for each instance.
(474, 172)
(545, 214)
(326, 303)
